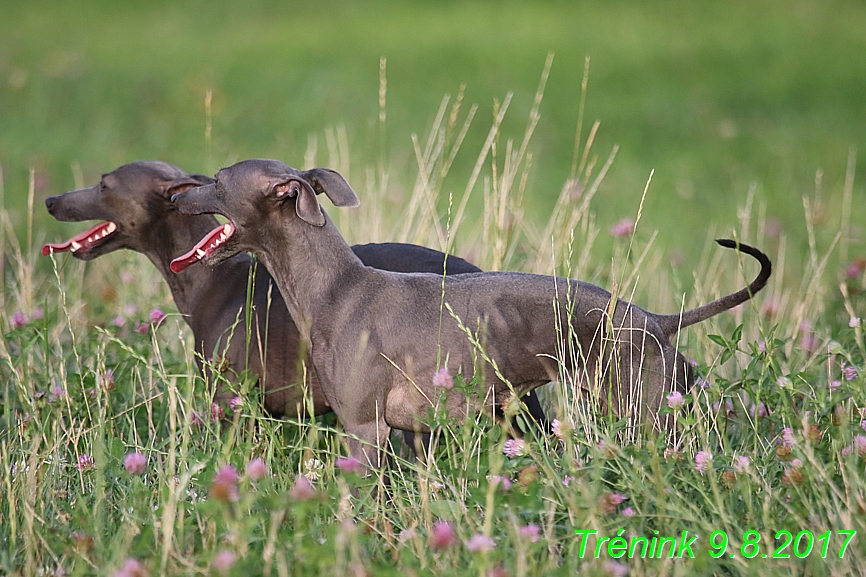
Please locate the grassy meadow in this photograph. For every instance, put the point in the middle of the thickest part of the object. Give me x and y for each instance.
(714, 120)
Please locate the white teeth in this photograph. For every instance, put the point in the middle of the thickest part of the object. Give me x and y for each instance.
(110, 228)
(91, 238)
(228, 228)
(200, 253)
(75, 246)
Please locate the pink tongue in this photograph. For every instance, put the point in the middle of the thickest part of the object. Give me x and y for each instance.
(80, 239)
(205, 245)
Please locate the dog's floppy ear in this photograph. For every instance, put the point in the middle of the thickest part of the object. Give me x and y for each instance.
(307, 206)
(307, 185)
(178, 185)
(333, 185)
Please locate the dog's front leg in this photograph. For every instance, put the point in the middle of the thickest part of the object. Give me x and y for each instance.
(367, 440)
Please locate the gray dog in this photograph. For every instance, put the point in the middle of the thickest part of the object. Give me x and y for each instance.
(378, 338)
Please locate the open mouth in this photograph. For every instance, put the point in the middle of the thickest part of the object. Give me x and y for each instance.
(205, 247)
(84, 241)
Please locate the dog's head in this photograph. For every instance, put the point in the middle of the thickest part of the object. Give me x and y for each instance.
(253, 195)
(132, 202)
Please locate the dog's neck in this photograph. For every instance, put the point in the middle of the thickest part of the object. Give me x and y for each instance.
(312, 267)
(198, 287)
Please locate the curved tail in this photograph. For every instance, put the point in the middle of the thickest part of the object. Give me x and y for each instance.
(670, 324)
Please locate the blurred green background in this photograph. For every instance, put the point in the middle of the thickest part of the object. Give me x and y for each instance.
(715, 96)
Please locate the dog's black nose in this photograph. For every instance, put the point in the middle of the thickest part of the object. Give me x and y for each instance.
(49, 202)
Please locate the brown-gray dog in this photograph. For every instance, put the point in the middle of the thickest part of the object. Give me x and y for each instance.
(134, 203)
(377, 338)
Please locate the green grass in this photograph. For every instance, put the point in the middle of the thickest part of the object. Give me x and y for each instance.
(72, 505)
(58, 411)
(716, 98)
